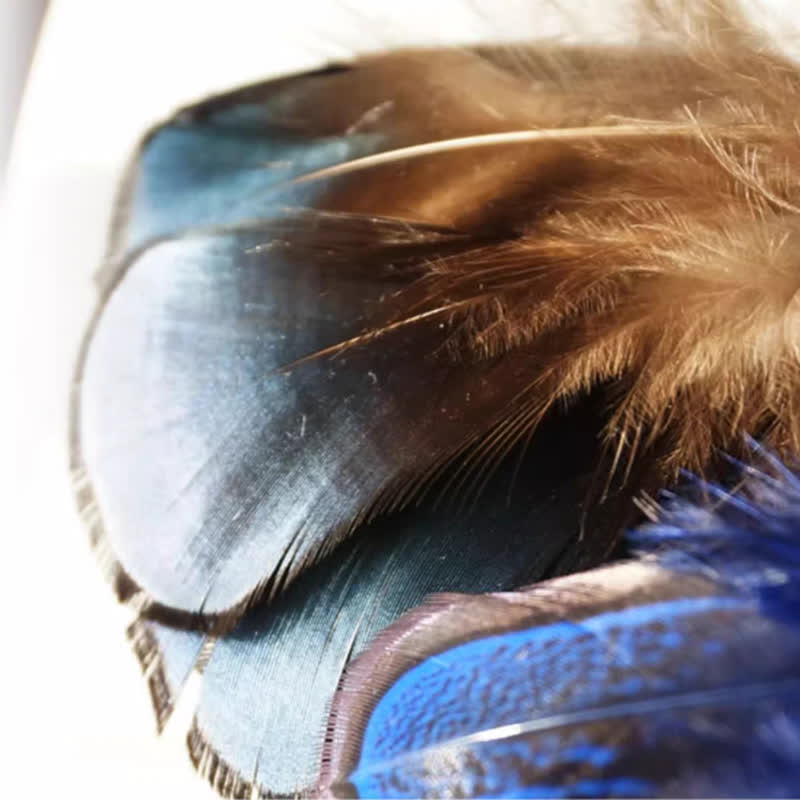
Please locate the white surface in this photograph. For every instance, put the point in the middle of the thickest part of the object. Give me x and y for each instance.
(19, 25)
(75, 711)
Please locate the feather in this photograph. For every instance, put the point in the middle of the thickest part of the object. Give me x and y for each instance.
(206, 440)
(252, 473)
(268, 685)
(638, 679)
(656, 255)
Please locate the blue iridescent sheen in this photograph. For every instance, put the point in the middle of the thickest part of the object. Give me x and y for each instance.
(281, 665)
(645, 700)
(199, 176)
(750, 539)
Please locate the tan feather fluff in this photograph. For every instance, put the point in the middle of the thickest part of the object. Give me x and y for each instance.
(646, 238)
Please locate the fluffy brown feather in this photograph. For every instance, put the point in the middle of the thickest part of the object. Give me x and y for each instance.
(646, 239)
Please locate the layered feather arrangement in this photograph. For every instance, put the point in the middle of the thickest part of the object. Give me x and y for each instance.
(438, 321)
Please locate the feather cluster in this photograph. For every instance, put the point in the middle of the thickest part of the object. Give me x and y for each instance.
(334, 296)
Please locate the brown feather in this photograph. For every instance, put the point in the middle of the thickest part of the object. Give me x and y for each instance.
(645, 238)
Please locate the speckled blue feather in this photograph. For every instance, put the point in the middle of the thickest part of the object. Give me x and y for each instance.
(695, 695)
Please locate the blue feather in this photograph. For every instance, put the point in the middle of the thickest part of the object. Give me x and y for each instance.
(748, 541)
(686, 682)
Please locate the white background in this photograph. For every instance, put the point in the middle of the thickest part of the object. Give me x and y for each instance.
(74, 711)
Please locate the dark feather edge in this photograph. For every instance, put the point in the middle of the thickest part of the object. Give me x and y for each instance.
(221, 776)
(151, 661)
(113, 267)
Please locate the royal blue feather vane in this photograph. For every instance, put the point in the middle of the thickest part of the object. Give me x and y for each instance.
(442, 409)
